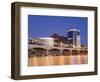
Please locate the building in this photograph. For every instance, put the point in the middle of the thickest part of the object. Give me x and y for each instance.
(47, 41)
(59, 40)
(74, 39)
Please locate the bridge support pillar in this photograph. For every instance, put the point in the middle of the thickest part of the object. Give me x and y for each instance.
(60, 52)
(70, 52)
(47, 52)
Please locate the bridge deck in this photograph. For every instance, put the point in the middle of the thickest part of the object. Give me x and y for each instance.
(53, 47)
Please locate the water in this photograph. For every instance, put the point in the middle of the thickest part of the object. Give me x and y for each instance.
(58, 60)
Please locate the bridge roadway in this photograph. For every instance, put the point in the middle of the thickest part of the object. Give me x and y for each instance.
(30, 46)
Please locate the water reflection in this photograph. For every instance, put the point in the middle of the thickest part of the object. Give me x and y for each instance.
(58, 60)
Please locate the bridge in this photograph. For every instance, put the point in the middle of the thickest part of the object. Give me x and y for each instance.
(45, 50)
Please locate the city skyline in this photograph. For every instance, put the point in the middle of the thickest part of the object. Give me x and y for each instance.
(56, 24)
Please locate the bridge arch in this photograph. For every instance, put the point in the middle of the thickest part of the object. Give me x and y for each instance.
(37, 51)
(54, 52)
(74, 52)
(83, 52)
(66, 52)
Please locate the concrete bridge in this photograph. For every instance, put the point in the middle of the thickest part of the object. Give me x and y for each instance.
(45, 50)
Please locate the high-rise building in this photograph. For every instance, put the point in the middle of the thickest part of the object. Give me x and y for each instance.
(74, 39)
